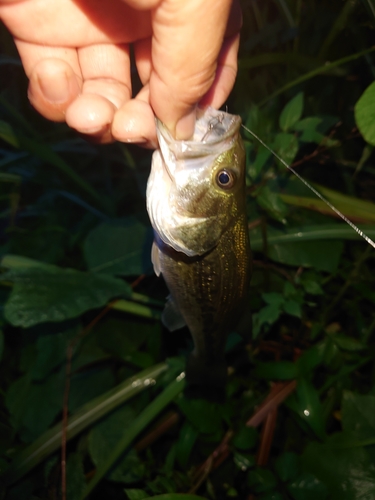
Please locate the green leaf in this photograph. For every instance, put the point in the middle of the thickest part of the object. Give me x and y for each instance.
(286, 146)
(310, 359)
(307, 487)
(307, 233)
(186, 440)
(272, 203)
(347, 343)
(134, 494)
(244, 461)
(43, 293)
(364, 114)
(114, 340)
(273, 298)
(122, 247)
(321, 255)
(311, 286)
(357, 413)
(88, 414)
(261, 480)
(277, 370)
(88, 384)
(175, 496)
(75, 477)
(305, 402)
(255, 167)
(274, 495)
(34, 406)
(51, 352)
(204, 415)
(293, 308)
(291, 113)
(287, 466)
(8, 135)
(348, 473)
(308, 127)
(245, 438)
(136, 426)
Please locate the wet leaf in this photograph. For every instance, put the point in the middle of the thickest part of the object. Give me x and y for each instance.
(48, 293)
(305, 402)
(348, 473)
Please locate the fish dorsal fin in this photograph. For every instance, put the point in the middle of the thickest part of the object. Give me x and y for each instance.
(172, 317)
(155, 259)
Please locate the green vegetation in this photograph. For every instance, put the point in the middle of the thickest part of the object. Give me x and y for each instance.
(92, 400)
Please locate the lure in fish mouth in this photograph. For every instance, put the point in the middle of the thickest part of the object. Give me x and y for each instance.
(197, 206)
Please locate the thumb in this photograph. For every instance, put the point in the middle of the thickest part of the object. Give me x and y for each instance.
(187, 39)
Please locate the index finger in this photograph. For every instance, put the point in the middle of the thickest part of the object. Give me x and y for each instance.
(187, 39)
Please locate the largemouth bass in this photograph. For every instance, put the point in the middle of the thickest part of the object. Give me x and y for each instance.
(197, 206)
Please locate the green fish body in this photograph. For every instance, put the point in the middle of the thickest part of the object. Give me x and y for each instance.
(197, 206)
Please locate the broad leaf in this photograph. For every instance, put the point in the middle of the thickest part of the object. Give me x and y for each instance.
(291, 113)
(43, 293)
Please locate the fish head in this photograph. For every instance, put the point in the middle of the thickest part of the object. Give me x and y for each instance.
(196, 188)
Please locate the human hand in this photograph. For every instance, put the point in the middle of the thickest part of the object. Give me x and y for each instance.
(76, 54)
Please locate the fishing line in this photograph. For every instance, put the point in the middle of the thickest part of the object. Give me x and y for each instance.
(316, 192)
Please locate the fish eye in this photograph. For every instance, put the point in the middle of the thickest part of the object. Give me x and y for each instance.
(225, 179)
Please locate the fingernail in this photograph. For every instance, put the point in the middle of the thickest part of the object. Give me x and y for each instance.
(55, 86)
(185, 127)
(136, 140)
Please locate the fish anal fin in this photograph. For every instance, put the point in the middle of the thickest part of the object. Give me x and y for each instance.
(172, 317)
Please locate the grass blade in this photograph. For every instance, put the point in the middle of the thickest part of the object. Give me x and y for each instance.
(318, 71)
(50, 441)
(309, 233)
(144, 419)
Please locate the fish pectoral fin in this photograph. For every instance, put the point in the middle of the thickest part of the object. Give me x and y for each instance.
(171, 316)
(155, 259)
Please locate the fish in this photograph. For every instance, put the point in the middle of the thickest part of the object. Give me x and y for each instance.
(196, 203)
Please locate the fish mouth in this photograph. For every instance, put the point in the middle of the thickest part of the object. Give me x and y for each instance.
(215, 131)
